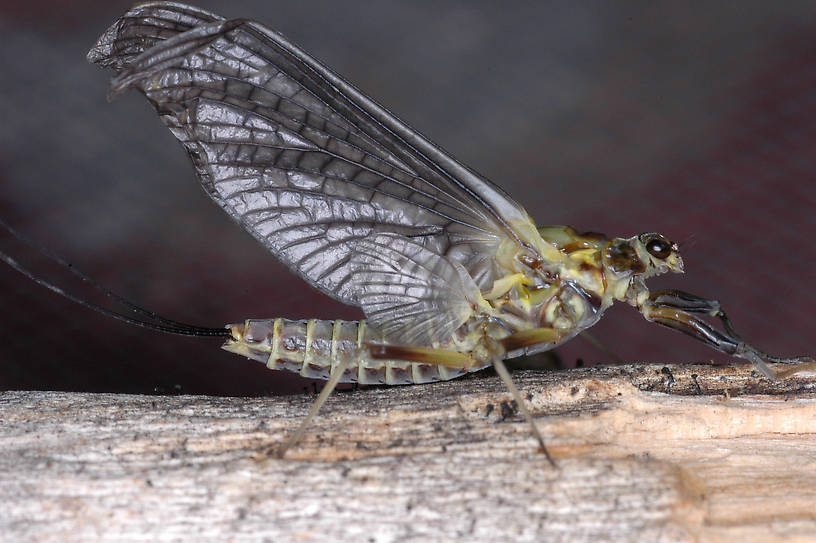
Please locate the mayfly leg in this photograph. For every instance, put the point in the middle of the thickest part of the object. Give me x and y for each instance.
(675, 308)
(456, 359)
(501, 369)
(449, 358)
(598, 344)
(328, 388)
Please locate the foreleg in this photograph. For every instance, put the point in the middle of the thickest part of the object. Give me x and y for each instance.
(675, 309)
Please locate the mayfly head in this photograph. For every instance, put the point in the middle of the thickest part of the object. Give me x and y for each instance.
(644, 255)
(662, 255)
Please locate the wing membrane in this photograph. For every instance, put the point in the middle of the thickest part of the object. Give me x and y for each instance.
(303, 160)
(144, 26)
(411, 294)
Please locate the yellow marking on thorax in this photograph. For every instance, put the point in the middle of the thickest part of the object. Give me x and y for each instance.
(616, 286)
(588, 256)
(274, 355)
(529, 233)
(549, 312)
(505, 284)
(557, 234)
(540, 295)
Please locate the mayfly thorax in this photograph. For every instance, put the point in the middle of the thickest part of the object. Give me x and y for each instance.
(451, 273)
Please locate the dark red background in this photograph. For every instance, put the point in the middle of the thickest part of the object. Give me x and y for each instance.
(699, 122)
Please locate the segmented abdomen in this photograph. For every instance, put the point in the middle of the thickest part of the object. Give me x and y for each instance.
(314, 347)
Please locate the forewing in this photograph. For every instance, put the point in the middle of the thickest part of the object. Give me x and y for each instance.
(303, 160)
(142, 27)
(409, 293)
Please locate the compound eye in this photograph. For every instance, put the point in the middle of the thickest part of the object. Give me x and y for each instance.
(659, 248)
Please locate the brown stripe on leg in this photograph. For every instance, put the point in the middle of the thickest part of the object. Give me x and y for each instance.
(439, 357)
(528, 338)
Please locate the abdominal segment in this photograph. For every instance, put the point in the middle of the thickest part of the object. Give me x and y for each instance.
(313, 348)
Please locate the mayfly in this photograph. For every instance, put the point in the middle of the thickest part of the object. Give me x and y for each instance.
(452, 274)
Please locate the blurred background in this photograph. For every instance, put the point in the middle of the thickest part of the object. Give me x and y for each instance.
(695, 121)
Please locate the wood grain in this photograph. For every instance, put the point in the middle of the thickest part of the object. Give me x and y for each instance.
(644, 453)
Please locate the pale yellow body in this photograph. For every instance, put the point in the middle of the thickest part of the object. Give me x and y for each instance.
(313, 348)
(535, 306)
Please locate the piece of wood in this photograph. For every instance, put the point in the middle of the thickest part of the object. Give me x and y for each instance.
(644, 453)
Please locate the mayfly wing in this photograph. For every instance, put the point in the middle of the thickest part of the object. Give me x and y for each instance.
(308, 164)
(411, 294)
(142, 27)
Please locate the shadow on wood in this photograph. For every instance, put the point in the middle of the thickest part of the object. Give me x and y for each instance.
(644, 453)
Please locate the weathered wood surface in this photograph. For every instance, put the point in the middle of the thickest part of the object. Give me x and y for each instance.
(644, 453)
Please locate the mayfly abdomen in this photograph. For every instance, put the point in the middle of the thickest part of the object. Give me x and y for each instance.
(313, 347)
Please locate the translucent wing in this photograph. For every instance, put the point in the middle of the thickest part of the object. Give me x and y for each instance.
(411, 294)
(303, 160)
(142, 27)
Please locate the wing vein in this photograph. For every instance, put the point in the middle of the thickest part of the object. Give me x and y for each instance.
(250, 25)
(440, 170)
(367, 153)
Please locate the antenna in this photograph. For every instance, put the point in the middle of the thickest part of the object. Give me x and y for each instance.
(162, 324)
